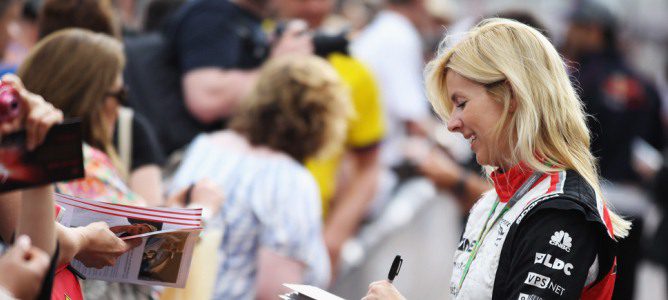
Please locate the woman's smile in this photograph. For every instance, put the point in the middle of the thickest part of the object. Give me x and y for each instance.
(475, 115)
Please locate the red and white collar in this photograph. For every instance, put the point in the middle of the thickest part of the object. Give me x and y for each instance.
(508, 182)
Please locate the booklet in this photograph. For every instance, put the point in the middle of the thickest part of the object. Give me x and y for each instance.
(58, 158)
(307, 292)
(162, 239)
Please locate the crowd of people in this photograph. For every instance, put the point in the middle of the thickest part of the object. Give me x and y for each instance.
(294, 123)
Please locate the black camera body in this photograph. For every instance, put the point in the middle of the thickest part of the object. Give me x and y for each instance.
(324, 44)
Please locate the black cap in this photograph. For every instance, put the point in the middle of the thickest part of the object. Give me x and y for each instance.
(592, 12)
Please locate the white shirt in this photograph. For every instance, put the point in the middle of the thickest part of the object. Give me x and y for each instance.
(271, 201)
(392, 48)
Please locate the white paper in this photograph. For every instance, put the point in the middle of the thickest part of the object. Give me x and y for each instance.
(312, 292)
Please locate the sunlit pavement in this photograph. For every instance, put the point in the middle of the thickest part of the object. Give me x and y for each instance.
(426, 244)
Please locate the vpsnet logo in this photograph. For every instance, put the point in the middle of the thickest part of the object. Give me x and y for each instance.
(553, 262)
(537, 280)
(543, 282)
(562, 240)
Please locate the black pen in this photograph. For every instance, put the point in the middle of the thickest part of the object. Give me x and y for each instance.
(396, 267)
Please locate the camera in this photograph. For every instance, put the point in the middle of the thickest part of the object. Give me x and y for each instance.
(324, 44)
(10, 103)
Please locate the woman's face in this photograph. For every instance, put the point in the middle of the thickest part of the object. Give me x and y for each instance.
(112, 103)
(475, 115)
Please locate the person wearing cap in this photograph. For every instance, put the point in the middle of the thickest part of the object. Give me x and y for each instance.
(625, 110)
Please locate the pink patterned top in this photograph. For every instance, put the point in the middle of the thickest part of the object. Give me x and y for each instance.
(101, 182)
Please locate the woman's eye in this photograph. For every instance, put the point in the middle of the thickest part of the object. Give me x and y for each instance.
(461, 104)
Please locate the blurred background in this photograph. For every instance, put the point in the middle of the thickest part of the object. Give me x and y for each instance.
(617, 53)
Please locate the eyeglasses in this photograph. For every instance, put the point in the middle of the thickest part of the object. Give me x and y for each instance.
(121, 95)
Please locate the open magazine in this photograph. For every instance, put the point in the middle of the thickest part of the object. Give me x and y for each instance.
(163, 239)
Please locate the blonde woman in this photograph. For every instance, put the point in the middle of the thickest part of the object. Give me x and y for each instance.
(544, 231)
(272, 214)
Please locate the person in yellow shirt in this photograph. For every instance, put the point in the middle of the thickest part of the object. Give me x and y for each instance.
(348, 181)
(365, 130)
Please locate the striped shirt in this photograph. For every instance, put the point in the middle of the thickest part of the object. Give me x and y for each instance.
(271, 201)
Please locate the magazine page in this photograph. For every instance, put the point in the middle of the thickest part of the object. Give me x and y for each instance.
(157, 259)
(162, 240)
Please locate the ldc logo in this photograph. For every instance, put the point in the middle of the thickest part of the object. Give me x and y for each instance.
(553, 262)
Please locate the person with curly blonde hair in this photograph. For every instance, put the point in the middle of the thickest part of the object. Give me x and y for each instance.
(297, 109)
(272, 215)
(544, 231)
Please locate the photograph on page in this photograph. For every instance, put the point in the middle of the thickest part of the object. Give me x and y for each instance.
(159, 259)
(162, 257)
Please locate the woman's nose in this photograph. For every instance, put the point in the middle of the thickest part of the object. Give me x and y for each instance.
(454, 124)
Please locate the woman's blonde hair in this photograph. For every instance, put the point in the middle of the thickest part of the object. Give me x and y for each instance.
(547, 130)
(299, 106)
(74, 69)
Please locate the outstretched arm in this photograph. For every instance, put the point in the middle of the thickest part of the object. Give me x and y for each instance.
(36, 212)
(353, 201)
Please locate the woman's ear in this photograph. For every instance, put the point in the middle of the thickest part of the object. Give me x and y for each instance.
(513, 105)
(513, 102)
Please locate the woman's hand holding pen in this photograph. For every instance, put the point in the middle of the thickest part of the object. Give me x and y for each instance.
(383, 290)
